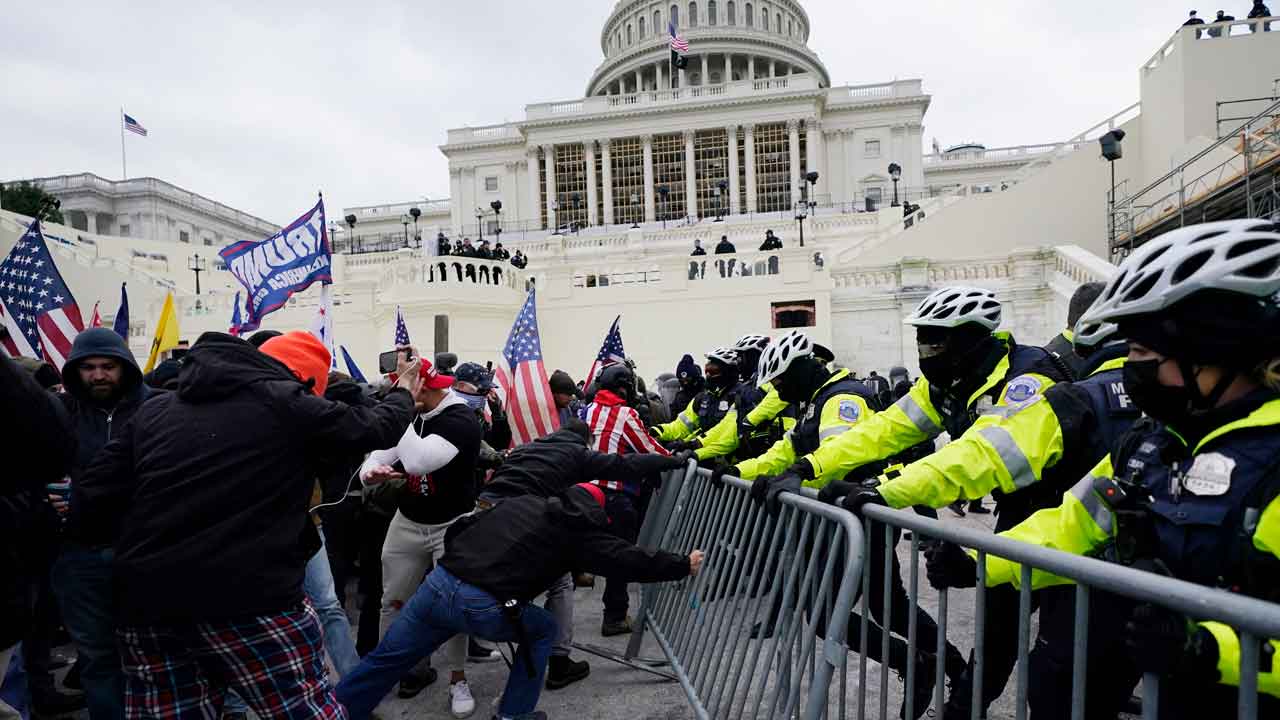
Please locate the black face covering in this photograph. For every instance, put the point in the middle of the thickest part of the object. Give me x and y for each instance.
(1184, 407)
(726, 378)
(801, 380)
(964, 351)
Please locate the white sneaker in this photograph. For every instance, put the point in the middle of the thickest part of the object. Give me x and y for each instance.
(461, 704)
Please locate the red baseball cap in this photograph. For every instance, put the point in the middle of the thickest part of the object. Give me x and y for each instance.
(594, 491)
(433, 379)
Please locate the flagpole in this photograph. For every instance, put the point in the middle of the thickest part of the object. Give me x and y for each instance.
(124, 167)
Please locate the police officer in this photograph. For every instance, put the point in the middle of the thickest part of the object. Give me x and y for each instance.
(735, 436)
(709, 406)
(1062, 346)
(1197, 478)
(1042, 446)
(828, 405)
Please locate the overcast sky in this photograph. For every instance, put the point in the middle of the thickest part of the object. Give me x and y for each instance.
(259, 104)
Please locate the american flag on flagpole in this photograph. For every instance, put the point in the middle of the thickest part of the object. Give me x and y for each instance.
(322, 325)
(96, 320)
(236, 321)
(610, 352)
(36, 306)
(133, 126)
(530, 406)
(678, 44)
(402, 332)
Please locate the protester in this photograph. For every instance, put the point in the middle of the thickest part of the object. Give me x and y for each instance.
(499, 252)
(545, 468)
(484, 251)
(519, 260)
(567, 396)
(1193, 20)
(691, 382)
(771, 241)
(697, 248)
(442, 244)
(181, 492)
(39, 446)
(104, 390)
(724, 247)
(436, 459)
(498, 561)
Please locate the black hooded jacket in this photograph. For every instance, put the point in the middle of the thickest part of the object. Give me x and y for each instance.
(205, 494)
(92, 424)
(553, 463)
(517, 549)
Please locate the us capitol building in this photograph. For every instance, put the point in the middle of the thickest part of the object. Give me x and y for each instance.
(607, 193)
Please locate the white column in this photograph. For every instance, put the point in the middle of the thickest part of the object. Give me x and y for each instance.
(812, 150)
(690, 179)
(793, 147)
(508, 192)
(749, 146)
(639, 82)
(606, 169)
(727, 76)
(455, 192)
(734, 204)
(648, 177)
(659, 72)
(706, 69)
(549, 172)
(589, 152)
(684, 81)
(773, 68)
(535, 192)
(751, 67)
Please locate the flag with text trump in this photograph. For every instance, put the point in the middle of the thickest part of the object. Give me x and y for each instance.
(36, 307)
(530, 406)
(273, 269)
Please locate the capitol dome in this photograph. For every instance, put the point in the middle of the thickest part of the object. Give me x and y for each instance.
(728, 40)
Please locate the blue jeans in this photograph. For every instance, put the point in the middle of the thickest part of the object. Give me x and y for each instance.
(318, 586)
(82, 583)
(442, 607)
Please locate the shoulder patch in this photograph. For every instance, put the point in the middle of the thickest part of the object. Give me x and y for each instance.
(1022, 388)
(849, 411)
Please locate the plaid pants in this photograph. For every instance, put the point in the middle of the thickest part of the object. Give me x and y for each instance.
(274, 662)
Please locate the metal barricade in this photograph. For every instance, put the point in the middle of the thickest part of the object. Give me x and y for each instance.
(1254, 620)
(761, 631)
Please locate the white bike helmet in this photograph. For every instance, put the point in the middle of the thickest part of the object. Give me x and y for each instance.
(751, 342)
(1237, 256)
(1089, 335)
(779, 356)
(728, 356)
(955, 306)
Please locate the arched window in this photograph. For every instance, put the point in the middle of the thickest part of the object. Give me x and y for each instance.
(711, 12)
(790, 28)
(642, 27)
(657, 21)
(693, 15)
(628, 34)
(751, 18)
(764, 19)
(733, 15)
(777, 25)
(675, 15)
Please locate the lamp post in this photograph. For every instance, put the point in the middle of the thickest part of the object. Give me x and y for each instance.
(351, 225)
(497, 219)
(415, 213)
(895, 174)
(577, 207)
(333, 234)
(555, 208)
(197, 265)
(719, 192)
(480, 222)
(635, 200)
(404, 221)
(663, 191)
(805, 207)
(1110, 142)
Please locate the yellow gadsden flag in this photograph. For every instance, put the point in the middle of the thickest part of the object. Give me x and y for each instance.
(166, 333)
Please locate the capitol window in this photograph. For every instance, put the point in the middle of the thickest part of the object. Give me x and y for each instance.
(764, 19)
(733, 15)
(208, 241)
(184, 237)
(628, 34)
(778, 22)
(871, 149)
(491, 184)
(124, 231)
(693, 15)
(641, 28)
(790, 28)
(675, 15)
(751, 19)
(657, 21)
(711, 12)
(875, 194)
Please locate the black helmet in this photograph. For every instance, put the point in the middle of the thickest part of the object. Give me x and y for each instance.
(618, 379)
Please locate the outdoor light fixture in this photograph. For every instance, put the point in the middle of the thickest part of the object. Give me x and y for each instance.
(895, 174)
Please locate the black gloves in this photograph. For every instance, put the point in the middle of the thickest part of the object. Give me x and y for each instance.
(767, 489)
(1165, 642)
(802, 468)
(948, 566)
(717, 475)
(676, 446)
(855, 501)
(685, 456)
(833, 492)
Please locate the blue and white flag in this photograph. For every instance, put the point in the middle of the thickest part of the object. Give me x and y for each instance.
(272, 270)
(121, 324)
(402, 332)
(352, 370)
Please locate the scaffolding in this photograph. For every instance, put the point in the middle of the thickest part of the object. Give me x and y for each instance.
(627, 160)
(668, 172)
(773, 168)
(711, 166)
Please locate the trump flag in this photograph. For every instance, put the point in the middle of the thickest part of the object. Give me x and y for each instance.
(274, 269)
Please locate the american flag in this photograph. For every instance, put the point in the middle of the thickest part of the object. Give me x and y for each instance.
(617, 429)
(530, 406)
(132, 126)
(236, 320)
(121, 324)
(678, 44)
(35, 304)
(322, 325)
(610, 352)
(96, 319)
(402, 332)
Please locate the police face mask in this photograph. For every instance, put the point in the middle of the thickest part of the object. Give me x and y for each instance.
(1178, 406)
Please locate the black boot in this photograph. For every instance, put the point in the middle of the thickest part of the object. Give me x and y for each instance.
(563, 672)
(976, 507)
(415, 682)
(925, 679)
(610, 628)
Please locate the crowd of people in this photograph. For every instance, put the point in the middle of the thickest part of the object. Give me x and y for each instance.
(483, 251)
(197, 530)
(1259, 10)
